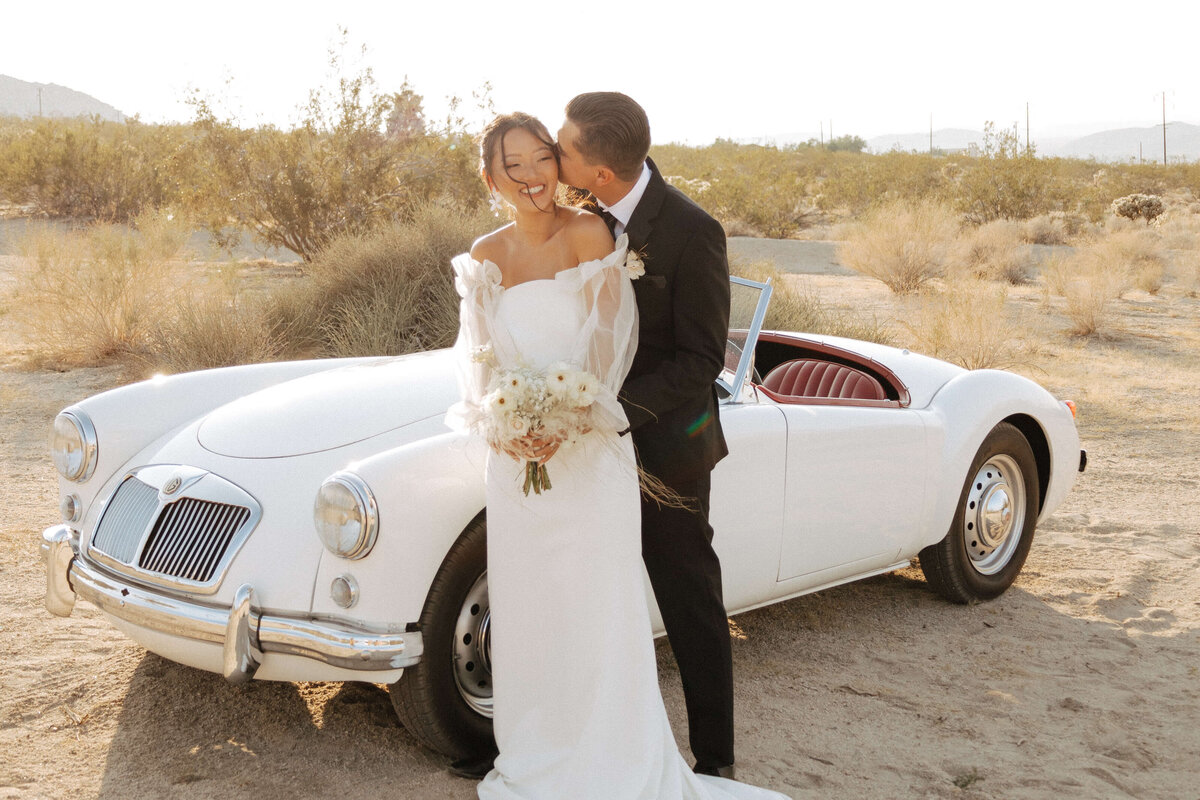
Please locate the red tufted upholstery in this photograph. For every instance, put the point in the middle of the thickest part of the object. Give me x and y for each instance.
(805, 377)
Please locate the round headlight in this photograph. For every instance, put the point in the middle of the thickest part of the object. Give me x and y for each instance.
(73, 446)
(346, 516)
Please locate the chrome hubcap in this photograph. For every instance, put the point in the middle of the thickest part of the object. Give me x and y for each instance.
(994, 518)
(473, 649)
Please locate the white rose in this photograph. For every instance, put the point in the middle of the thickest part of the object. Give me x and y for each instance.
(634, 266)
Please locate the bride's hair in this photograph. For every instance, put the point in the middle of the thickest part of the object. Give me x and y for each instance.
(491, 141)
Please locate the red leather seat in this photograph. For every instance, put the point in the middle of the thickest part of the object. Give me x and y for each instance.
(806, 377)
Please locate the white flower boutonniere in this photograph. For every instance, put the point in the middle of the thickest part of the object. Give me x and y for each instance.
(635, 265)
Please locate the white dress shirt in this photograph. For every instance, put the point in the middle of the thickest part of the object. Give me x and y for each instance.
(623, 208)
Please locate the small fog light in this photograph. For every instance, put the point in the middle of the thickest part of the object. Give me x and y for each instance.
(69, 508)
(344, 591)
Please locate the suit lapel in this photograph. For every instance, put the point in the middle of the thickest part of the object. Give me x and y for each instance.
(641, 223)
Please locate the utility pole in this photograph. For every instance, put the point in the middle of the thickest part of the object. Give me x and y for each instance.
(1026, 127)
(822, 133)
(39, 101)
(931, 133)
(1164, 127)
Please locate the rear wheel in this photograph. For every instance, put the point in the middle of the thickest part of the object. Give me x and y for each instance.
(992, 530)
(446, 699)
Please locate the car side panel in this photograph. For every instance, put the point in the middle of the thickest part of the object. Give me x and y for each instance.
(856, 483)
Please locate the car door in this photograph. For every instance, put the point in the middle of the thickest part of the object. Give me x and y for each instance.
(855, 487)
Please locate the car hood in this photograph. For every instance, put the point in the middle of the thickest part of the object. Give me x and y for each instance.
(332, 409)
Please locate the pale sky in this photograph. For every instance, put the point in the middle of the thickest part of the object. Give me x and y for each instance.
(735, 69)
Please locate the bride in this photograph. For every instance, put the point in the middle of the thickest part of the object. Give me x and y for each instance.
(578, 712)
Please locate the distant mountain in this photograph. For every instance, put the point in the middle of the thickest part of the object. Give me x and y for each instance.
(1128, 144)
(1183, 143)
(20, 99)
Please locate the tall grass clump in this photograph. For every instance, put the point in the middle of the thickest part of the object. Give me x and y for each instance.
(1100, 272)
(904, 246)
(995, 251)
(382, 293)
(92, 295)
(796, 308)
(968, 323)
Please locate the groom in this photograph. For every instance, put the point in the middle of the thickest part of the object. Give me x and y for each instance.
(669, 395)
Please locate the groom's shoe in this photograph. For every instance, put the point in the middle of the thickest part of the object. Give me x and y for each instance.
(475, 767)
(726, 771)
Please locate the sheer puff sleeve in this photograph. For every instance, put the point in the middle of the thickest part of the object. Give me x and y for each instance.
(607, 341)
(474, 350)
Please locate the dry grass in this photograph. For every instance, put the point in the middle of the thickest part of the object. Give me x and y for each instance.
(903, 245)
(1057, 227)
(968, 322)
(995, 251)
(797, 308)
(384, 293)
(94, 294)
(208, 332)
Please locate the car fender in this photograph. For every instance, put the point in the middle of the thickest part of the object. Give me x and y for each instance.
(130, 418)
(966, 409)
(427, 492)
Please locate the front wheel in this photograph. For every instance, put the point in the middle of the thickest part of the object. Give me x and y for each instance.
(445, 701)
(992, 529)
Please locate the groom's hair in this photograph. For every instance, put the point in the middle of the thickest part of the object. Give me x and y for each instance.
(613, 131)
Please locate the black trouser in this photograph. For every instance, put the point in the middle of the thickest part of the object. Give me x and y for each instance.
(686, 576)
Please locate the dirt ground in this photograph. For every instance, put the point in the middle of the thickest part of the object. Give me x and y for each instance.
(1082, 681)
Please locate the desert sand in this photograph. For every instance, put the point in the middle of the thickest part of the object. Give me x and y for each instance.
(1082, 681)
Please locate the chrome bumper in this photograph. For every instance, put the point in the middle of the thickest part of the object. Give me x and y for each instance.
(243, 632)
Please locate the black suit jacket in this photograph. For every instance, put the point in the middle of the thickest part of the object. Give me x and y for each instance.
(683, 309)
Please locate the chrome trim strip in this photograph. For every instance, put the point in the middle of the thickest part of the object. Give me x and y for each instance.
(244, 631)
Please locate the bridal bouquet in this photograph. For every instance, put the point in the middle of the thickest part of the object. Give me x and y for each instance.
(554, 404)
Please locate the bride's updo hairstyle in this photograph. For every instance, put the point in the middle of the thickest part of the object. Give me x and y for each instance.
(613, 131)
(491, 141)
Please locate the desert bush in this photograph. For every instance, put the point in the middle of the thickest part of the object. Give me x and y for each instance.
(89, 169)
(1138, 206)
(382, 293)
(1100, 271)
(209, 331)
(995, 251)
(967, 323)
(1057, 227)
(904, 246)
(1007, 181)
(1137, 255)
(90, 296)
(357, 160)
(796, 308)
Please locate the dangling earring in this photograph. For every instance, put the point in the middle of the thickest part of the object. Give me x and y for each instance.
(496, 202)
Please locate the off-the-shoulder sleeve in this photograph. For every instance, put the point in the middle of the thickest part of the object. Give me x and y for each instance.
(608, 339)
(477, 284)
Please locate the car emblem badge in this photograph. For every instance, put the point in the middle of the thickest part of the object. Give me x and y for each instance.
(172, 485)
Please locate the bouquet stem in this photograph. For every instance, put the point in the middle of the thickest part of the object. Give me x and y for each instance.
(536, 477)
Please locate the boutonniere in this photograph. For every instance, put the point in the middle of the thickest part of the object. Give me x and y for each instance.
(635, 264)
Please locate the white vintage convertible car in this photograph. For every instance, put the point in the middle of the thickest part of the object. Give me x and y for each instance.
(316, 520)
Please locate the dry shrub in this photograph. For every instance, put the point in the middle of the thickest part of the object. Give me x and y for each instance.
(968, 323)
(94, 294)
(1057, 227)
(903, 245)
(1089, 295)
(1137, 253)
(1185, 266)
(797, 308)
(211, 331)
(383, 293)
(1100, 272)
(995, 251)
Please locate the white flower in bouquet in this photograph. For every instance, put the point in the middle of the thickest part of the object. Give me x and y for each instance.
(552, 405)
(635, 265)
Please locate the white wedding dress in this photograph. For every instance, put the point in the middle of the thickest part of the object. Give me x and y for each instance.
(578, 713)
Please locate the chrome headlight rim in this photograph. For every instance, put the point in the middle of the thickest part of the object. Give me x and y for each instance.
(368, 510)
(88, 445)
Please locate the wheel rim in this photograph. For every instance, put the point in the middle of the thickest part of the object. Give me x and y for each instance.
(473, 649)
(994, 519)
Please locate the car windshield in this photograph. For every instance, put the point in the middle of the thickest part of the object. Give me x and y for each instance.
(747, 308)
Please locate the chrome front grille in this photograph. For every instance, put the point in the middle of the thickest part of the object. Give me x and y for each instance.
(174, 526)
(129, 511)
(190, 538)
